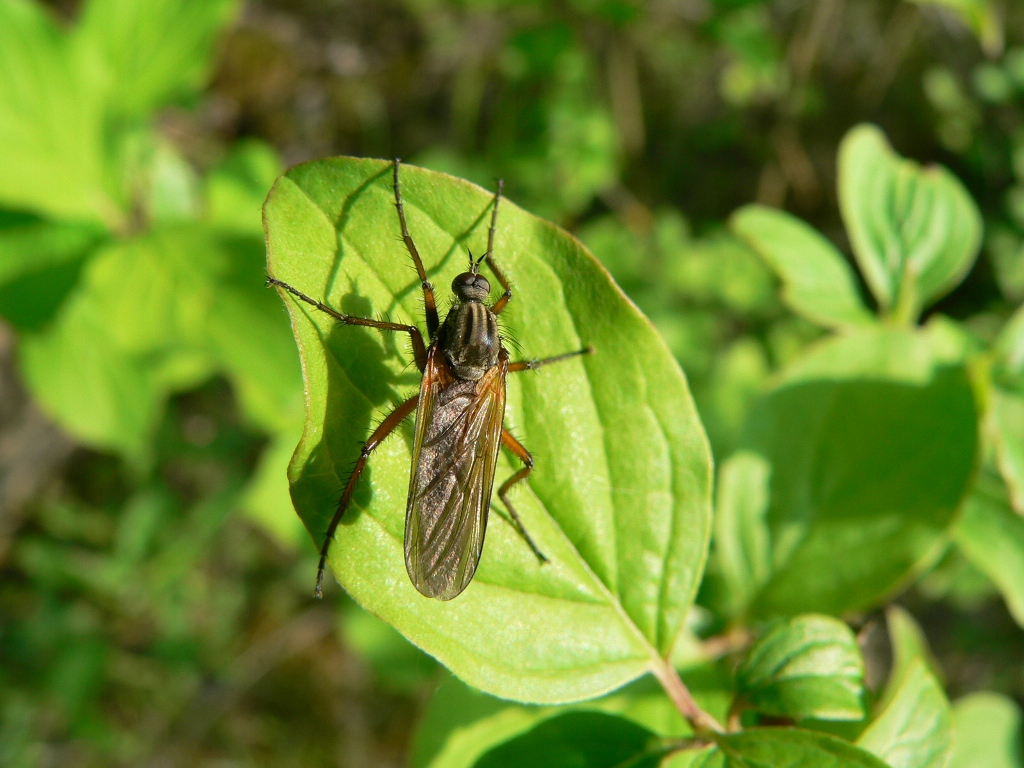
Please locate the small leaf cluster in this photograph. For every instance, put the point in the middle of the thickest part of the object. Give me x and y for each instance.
(127, 272)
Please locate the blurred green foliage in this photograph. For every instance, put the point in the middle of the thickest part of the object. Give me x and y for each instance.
(155, 601)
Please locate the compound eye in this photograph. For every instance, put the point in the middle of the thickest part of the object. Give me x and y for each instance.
(481, 283)
(465, 280)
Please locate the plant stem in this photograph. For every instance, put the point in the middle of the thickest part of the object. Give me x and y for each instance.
(684, 702)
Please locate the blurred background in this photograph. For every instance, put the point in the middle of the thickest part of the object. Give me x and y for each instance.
(155, 596)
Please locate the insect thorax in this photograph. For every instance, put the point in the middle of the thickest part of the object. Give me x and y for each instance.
(469, 339)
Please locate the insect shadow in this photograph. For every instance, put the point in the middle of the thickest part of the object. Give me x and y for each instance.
(361, 385)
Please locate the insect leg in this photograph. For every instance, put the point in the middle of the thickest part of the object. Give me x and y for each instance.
(419, 351)
(517, 448)
(529, 365)
(429, 304)
(389, 425)
(489, 256)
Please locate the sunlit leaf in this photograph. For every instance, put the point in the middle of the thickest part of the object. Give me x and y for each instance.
(817, 282)
(1006, 407)
(619, 501)
(742, 544)
(806, 667)
(992, 536)
(915, 231)
(237, 187)
(87, 384)
(871, 440)
(40, 263)
(51, 121)
(156, 314)
(152, 53)
(989, 732)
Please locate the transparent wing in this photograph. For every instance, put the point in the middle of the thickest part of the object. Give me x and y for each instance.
(458, 436)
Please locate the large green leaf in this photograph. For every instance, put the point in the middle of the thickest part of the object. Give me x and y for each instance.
(992, 536)
(989, 732)
(806, 667)
(51, 122)
(915, 231)
(912, 727)
(619, 501)
(778, 747)
(154, 52)
(871, 441)
(817, 281)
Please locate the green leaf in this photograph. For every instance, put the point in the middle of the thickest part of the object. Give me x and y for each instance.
(237, 187)
(1006, 419)
(913, 725)
(86, 383)
(40, 264)
(817, 282)
(908, 643)
(742, 543)
(989, 732)
(992, 536)
(807, 667)
(161, 313)
(51, 122)
(620, 498)
(1006, 407)
(267, 500)
(583, 739)
(776, 747)
(915, 231)
(461, 723)
(871, 439)
(250, 339)
(152, 53)
(1009, 348)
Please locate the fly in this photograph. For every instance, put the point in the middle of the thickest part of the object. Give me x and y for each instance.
(459, 431)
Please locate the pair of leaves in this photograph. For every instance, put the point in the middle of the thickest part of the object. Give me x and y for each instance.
(619, 499)
(866, 446)
(915, 233)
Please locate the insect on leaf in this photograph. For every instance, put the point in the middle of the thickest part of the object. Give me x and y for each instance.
(619, 501)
